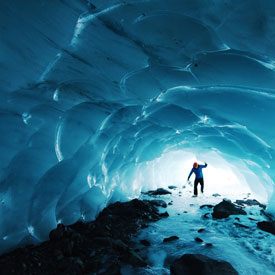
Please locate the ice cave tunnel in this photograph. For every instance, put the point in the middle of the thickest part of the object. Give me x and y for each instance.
(101, 100)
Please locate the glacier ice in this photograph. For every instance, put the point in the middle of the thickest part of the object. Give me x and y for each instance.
(100, 103)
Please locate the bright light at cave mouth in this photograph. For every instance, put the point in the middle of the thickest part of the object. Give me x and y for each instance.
(232, 180)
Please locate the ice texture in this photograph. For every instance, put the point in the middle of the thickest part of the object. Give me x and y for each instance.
(103, 99)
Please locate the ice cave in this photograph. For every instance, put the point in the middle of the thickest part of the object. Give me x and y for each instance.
(102, 100)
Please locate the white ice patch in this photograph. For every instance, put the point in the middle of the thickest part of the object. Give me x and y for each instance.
(26, 117)
(31, 230)
(56, 95)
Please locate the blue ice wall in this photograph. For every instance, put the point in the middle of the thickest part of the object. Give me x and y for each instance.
(92, 92)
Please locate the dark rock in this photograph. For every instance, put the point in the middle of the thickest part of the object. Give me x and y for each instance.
(201, 230)
(97, 247)
(216, 195)
(57, 233)
(58, 255)
(159, 191)
(226, 208)
(80, 226)
(237, 219)
(241, 225)
(198, 240)
(160, 203)
(209, 244)
(134, 259)
(252, 219)
(267, 226)
(164, 215)
(67, 247)
(145, 242)
(206, 216)
(185, 212)
(250, 203)
(170, 239)
(170, 203)
(71, 265)
(197, 264)
(172, 187)
(119, 245)
(206, 205)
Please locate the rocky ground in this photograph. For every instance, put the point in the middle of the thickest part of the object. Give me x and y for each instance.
(105, 245)
(98, 247)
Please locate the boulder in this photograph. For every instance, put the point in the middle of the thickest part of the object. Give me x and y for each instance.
(145, 242)
(57, 233)
(159, 191)
(226, 208)
(267, 226)
(170, 239)
(164, 215)
(197, 264)
(159, 203)
(198, 240)
(172, 187)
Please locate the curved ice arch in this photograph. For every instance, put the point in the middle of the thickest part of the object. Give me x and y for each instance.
(139, 128)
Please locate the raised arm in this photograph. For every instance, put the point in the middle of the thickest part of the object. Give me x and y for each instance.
(205, 165)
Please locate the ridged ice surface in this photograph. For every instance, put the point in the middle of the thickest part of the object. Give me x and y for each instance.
(102, 101)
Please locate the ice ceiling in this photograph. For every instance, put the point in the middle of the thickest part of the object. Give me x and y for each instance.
(101, 101)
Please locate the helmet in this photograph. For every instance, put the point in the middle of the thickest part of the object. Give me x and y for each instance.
(195, 165)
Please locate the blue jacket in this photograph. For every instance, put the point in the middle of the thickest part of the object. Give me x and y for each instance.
(197, 171)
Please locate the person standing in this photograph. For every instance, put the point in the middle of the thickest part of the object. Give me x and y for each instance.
(197, 169)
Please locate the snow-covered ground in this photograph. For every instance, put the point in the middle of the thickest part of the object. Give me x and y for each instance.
(250, 251)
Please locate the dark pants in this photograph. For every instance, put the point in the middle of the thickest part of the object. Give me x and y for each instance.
(197, 181)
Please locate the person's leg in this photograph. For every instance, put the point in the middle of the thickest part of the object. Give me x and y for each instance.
(202, 184)
(196, 187)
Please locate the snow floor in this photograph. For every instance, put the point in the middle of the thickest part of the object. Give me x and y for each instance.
(250, 251)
